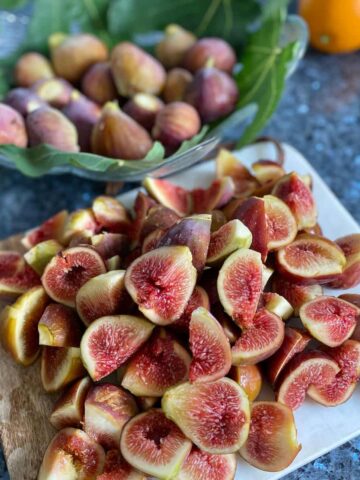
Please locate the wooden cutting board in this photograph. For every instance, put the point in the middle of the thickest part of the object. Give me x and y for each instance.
(24, 409)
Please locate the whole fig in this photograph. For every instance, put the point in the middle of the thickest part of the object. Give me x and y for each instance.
(216, 50)
(135, 71)
(117, 135)
(98, 83)
(12, 127)
(55, 91)
(213, 93)
(143, 108)
(173, 47)
(72, 55)
(30, 68)
(23, 100)
(47, 125)
(177, 81)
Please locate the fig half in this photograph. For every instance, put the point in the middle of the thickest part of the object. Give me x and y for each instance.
(170, 195)
(207, 466)
(280, 222)
(16, 277)
(216, 196)
(59, 326)
(199, 298)
(59, 367)
(350, 277)
(295, 293)
(249, 378)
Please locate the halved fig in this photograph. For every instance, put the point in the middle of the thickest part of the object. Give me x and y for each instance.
(154, 444)
(208, 466)
(306, 369)
(329, 319)
(111, 214)
(110, 244)
(298, 197)
(161, 363)
(239, 285)
(275, 303)
(295, 341)
(259, 341)
(107, 409)
(19, 323)
(199, 298)
(109, 341)
(142, 205)
(249, 378)
(209, 346)
(59, 326)
(310, 259)
(228, 165)
(67, 272)
(214, 415)
(280, 222)
(16, 277)
(68, 410)
(40, 254)
(72, 454)
(117, 468)
(272, 443)
(81, 222)
(152, 240)
(10, 263)
(350, 277)
(158, 217)
(103, 295)
(226, 240)
(51, 229)
(295, 293)
(161, 283)
(169, 195)
(267, 171)
(60, 366)
(216, 196)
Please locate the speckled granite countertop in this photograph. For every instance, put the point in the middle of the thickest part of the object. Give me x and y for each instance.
(319, 115)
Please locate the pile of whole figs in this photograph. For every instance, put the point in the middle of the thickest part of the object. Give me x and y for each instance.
(72, 103)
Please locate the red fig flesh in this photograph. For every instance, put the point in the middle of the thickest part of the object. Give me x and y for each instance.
(117, 468)
(295, 293)
(169, 195)
(216, 196)
(280, 222)
(16, 277)
(350, 277)
(111, 214)
(206, 466)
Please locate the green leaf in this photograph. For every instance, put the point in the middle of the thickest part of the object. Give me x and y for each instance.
(12, 4)
(193, 141)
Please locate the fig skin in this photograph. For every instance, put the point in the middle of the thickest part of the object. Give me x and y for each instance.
(177, 82)
(54, 91)
(23, 100)
(213, 93)
(169, 195)
(98, 83)
(143, 108)
(117, 135)
(136, 71)
(249, 378)
(47, 125)
(211, 49)
(12, 127)
(30, 68)
(60, 366)
(216, 196)
(172, 48)
(350, 244)
(59, 326)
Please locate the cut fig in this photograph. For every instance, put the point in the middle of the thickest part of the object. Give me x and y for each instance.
(59, 326)
(41, 254)
(161, 283)
(226, 240)
(310, 259)
(109, 341)
(145, 403)
(80, 222)
(51, 229)
(216, 196)
(72, 454)
(152, 240)
(111, 214)
(169, 195)
(353, 298)
(16, 277)
(110, 244)
(280, 222)
(68, 411)
(154, 444)
(231, 330)
(249, 378)
(161, 363)
(218, 219)
(272, 442)
(59, 367)
(259, 341)
(18, 325)
(142, 205)
(67, 272)
(215, 415)
(209, 346)
(350, 277)
(267, 171)
(158, 217)
(117, 468)
(239, 285)
(199, 298)
(295, 293)
(107, 409)
(206, 466)
(10, 263)
(329, 319)
(275, 303)
(228, 165)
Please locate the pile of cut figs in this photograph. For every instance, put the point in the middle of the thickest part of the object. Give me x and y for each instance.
(159, 325)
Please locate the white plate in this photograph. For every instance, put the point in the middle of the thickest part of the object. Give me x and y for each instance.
(320, 429)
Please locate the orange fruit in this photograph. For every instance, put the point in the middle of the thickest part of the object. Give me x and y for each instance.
(334, 24)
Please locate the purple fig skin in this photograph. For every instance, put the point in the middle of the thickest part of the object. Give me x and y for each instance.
(84, 114)
(213, 93)
(177, 81)
(30, 68)
(173, 47)
(55, 91)
(213, 49)
(12, 127)
(23, 100)
(143, 108)
(98, 83)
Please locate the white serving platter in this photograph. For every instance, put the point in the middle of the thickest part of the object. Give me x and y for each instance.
(320, 429)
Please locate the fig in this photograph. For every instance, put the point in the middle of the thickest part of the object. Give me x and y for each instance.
(267, 274)
(117, 135)
(72, 55)
(107, 409)
(214, 415)
(228, 165)
(54, 91)
(226, 240)
(230, 208)
(213, 93)
(216, 196)
(173, 47)
(69, 270)
(143, 108)
(199, 298)
(143, 203)
(109, 245)
(280, 223)
(218, 220)
(47, 125)
(329, 319)
(145, 403)
(18, 326)
(295, 341)
(16, 277)
(161, 282)
(295, 293)
(209, 346)
(267, 172)
(59, 367)
(305, 369)
(249, 378)
(116, 468)
(350, 277)
(10, 262)
(152, 240)
(177, 82)
(353, 298)
(72, 454)
(12, 127)
(161, 363)
(158, 217)
(59, 326)
(111, 214)
(23, 100)
(206, 466)
(154, 444)
(135, 71)
(109, 341)
(310, 259)
(175, 123)
(231, 330)
(272, 443)
(113, 263)
(68, 410)
(298, 197)
(51, 229)
(217, 50)
(98, 83)
(41, 254)
(315, 230)
(169, 195)
(239, 285)
(259, 341)
(80, 224)
(275, 303)
(30, 68)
